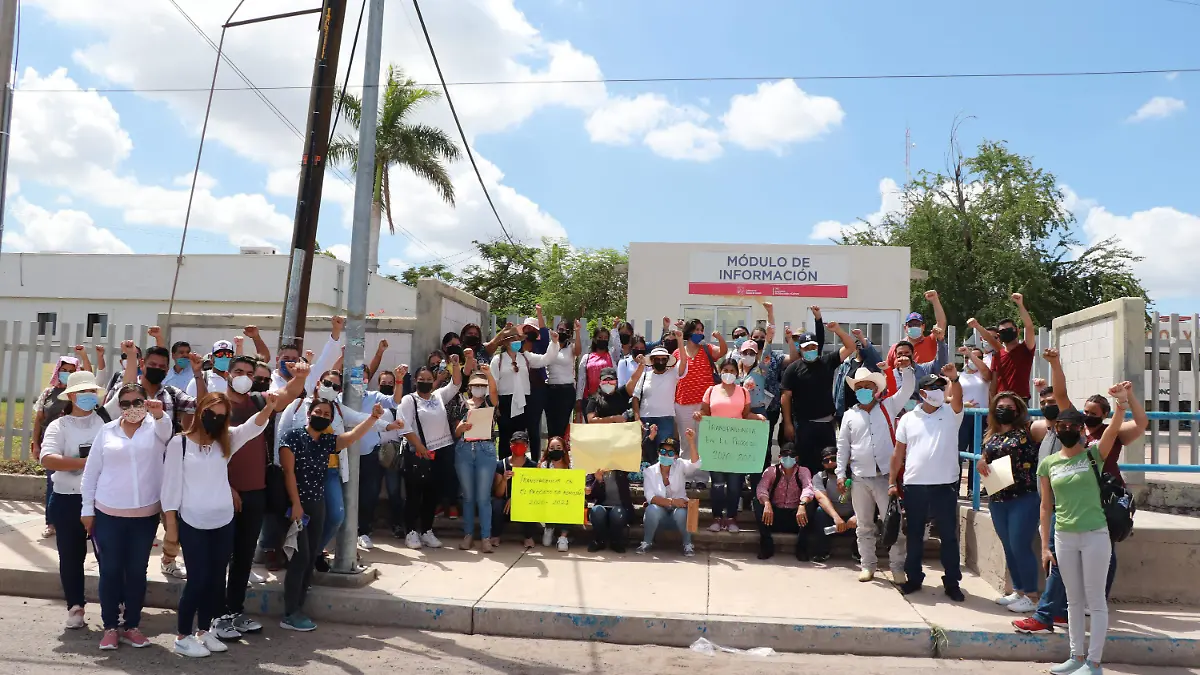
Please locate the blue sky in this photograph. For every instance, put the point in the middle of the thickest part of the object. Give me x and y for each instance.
(682, 172)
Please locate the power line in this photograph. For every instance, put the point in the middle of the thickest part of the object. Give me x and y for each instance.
(353, 48)
(1184, 2)
(457, 123)
(650, 80)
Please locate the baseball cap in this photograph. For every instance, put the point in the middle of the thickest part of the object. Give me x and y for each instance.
(806, 338)
(932, 381)
(915, 316)
(222, 346)
(608, 374)
(531, 322)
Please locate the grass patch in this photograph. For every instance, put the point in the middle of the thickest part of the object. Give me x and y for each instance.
(939, 639)
(18, 413)
(22, 467)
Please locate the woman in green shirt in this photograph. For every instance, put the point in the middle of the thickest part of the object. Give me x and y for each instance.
(1071, 495)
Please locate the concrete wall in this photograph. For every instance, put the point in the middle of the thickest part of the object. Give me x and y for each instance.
(443, 308)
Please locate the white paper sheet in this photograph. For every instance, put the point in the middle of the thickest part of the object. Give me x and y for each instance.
(480, 420)
(1000, 475)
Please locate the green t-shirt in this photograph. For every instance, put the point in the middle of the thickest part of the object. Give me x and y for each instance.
(1076, 491)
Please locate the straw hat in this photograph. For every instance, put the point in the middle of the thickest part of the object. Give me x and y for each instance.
(80, 380)
(864, 375)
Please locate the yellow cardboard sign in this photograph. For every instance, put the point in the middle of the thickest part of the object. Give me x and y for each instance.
(616, 447)
(548, 496)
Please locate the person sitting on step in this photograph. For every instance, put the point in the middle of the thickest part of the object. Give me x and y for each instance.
(666, 497)
(784, 494)
(836, 510)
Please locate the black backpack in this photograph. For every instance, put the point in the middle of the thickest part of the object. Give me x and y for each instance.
(1117, 503)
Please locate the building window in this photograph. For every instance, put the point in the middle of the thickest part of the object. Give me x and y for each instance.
(97, 325)
(47, 323)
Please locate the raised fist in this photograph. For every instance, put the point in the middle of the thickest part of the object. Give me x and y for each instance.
(833, 326)
(973, 322)
(154, 408)
(950, 370)
(401, 371)
(79, 349)
(937, 333)
(154, 331)
(383, 345)
(377, 411)
(903, 362)
(963, 350)
(931, 295)
(272, 400)
(1050, 355)
(250, 331)
(128, 348)
(1018, 298)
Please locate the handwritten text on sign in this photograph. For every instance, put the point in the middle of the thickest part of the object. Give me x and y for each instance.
(548, 496)
(733, 445)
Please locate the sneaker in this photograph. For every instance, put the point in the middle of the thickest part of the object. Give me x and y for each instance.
(430, 540)
(643, 548)
(1071, 665)
(529, 545)
(413, 540)
(48, 532)
(495, 542)
(256, 578)
(733, 528)
(547, 537)
(212, 642)
(322, 563)
(595, 546)
(820, 558)
(365, 543)
(715, 527)
(689, 550)
(617, 547)
(297, 622)
(173, 569)
(1009, 599)
(562, 544)
(190, 646)
(134, 638)
(866, 575)
(453, 513)
(244, 624)
(485, 546)
(223, 628)
(1032, 626)
(955, 593)
(1060, 621)
(75, 618)
(110, 640)
(1022, 605)
(1089, 668)
(909, 587)
(467, 542)
(899, 577)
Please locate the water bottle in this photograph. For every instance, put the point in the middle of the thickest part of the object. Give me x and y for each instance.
(842, 497)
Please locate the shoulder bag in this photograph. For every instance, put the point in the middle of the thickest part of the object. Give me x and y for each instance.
(1116, 501)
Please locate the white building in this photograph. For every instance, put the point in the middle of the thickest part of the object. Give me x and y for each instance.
(725, 284)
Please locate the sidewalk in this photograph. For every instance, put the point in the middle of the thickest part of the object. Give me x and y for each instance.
(728, 597)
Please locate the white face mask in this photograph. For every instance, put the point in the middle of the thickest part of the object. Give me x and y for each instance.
(326, 393)
(728, 378)
(241, 384)
(934, 397)
(608, 388)
(970, 367)
(479, 392)
(748, 359)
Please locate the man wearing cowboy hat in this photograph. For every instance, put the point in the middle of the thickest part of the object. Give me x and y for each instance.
(865, 446)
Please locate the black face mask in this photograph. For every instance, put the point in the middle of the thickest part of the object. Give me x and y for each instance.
(1007, 334)
(1050, 411)
(1006, 415)
(555, 455)
(213, 423)
(625, 338)
(1091, 421)
(261, 384)
(319, 423)
(387, 389)
(471, 341)
(761, 344)
(670, 345)
(155, 375)
(600, 345)
(424, 387)
(453, 349)
(1070, 439)
(659, 366)
(637, 352)
(531, 338)
(563, 337)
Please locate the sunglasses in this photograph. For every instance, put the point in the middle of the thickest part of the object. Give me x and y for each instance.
(668, 453)
(330, 383)
(135, 403)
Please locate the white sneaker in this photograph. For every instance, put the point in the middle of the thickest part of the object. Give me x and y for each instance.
(689, 551)
(715, 527)
(75, 618)
(431, 541)
(547, 537)
(173, 569)
(412, 540)
(733, 528)
(1022, 605)
(562, 544)
(1008, 599)
(212, 642)
(365, 543)
(191, 646)
(256, 578)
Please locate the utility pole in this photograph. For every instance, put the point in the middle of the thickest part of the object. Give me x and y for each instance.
(8, 36)
(356, 306)
(312, 173)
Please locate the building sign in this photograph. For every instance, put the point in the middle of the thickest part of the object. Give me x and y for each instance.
(760, 273)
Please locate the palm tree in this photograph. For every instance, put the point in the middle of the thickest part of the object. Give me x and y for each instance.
(423, 149)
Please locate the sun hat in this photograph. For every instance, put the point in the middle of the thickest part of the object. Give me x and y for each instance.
(80, 380)
(662, 351)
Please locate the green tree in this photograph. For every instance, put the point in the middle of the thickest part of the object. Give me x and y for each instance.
(508, 276)
(436, 271)
(422, 149)
(992, 225)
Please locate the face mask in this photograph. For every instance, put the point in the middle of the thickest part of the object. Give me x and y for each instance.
(471, 341)
(600, 345)
(328, 394)
(737, 342)
(155, 375)
(241, 384)
(761, 345)
(555, 455)
(810, 355)
(696, 338)
(261, 384)
(134, 415)
(479, 392)
(608, 388)
(659, 367)
(86, 401)
(666, 461)
(910, 405)
(515, 346)
(387, 389)
(213, 423)
(748, 360)
(914, 331)
(519, 450)
(1050, 411)
(637, 352)
(183, 363)
(1091, 421)
(63, 376)
(1070, 438)
(283, 369)
(319, 423)
(728, 378)
(970, 366)
(452, 350)
(221, 363)
(864, 396)
(671, 345)
(1006, 415)
(563, 337)
(1007, 334)
(624, 338)
(424, 387)
(934, 397)
(788, 462)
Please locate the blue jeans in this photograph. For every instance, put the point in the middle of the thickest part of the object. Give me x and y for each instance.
(335, 508)
(475, 464)
(608, 524)
(49, 497)
(923, 503)
(123, 549)
(726, 492)
(657, 516)
(1016, 523)
(1053, 603)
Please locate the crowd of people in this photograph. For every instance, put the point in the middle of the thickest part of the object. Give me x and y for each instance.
(242, 458)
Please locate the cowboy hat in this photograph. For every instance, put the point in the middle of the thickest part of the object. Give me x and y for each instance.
(864, 375)
(80, 381)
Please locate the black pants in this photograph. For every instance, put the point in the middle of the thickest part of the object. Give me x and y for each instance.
(809, 540)
(560, 404)
(535, 405)
(446, 477)
(508, 425)
(71, 539)
(370, 481)
(207, 553)
(421, 488)
(811, 439)
(247, 525)
(300, 565)
(772, 420)
(500, 521)
(939, 503)
(608, 524)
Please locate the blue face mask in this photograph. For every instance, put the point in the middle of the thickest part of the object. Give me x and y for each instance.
(788, 462)
(183, 363)
(62, 376)
(283, 369)
(738, 342)
(696, 338)
(810, 355)
(86, 401)
(864, 396)
(910, 405)
(515, 346)
(221, 363)
(665, 460)
(914, 331)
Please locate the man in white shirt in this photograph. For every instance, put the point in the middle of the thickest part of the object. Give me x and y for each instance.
(866, 443)
(927, 458)
(217, 379)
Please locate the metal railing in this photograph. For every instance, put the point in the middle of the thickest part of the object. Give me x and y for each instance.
(979, 414)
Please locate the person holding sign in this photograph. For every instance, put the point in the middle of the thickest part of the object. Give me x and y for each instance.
(475, 457)
(729, 400)
(557, 457)
(502, 490)
(666, 496)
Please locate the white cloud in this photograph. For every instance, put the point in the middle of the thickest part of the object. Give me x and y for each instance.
(1164, 236)
(340, 251)
(1157, 108)
(778, 114)
(1172, 76)
(685, 140)
(203, 182)
(891, 199)
(66, 230)
(622, 119)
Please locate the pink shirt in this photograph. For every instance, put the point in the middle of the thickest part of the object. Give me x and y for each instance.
(788, 494)
(595, 362)
(721, 404)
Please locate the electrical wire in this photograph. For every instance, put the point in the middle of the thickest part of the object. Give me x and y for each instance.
(457, 123)
(353, 48)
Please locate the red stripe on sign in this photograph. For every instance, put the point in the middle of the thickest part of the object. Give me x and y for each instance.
(772, 290)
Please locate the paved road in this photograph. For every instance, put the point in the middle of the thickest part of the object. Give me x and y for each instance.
(33, 642)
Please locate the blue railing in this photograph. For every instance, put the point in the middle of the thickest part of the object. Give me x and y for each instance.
(978, 415)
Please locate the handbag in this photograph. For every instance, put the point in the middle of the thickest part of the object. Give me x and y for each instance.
(891, 521)
(390, 451)
(418, 468)
(1117, 503)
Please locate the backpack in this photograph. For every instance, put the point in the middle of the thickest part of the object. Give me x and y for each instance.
(1117, 503)
(712, 365)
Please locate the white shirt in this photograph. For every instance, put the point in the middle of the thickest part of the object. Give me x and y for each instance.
(932, 439)
(216, 384)
(975, 389)
(516, 384)
(654, 486)
(656, 392)
(123, 472)
(196, 482)
(865, 440)
(295, 416)
(63, 438)
(179, 380)
(625, 368)
(561, 368)
(433, 415)
(367, 443)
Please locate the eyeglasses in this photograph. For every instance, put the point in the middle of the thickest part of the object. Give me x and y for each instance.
(330, 383)
(135, 403)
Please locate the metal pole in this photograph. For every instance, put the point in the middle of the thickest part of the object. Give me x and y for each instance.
(356, 306)
(8, 36)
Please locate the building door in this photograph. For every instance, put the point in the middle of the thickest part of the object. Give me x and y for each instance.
(723, 318)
